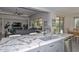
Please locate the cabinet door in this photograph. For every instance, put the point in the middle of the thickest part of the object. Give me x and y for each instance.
(34, 50)
(60, 46)
(57, 46)
(48, 48)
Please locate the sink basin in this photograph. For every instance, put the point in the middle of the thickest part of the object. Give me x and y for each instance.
(46, 38)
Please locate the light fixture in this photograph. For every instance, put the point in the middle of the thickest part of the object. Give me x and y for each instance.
(19, 13)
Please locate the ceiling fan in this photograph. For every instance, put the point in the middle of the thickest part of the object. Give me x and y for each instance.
(17, 13)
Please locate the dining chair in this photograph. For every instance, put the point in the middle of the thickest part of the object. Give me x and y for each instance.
(76, 36)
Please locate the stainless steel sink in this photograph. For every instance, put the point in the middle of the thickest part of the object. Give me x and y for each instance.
(46, 38)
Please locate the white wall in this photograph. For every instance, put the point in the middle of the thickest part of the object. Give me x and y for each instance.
(69, 23)
(11, 19)
(46, 17)
(15, 20)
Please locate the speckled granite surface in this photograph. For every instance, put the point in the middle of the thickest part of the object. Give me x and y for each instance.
(15, 43)
(25, 42)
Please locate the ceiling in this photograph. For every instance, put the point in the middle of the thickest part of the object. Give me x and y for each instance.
(64, 10)
(22, 11)
(28, 11)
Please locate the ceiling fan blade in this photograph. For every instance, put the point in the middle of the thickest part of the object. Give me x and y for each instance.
(24, 15)
(7, 13)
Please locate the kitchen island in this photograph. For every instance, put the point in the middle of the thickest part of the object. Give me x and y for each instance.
(34, 43)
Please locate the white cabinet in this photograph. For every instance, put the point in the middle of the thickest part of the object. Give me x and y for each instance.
(57, 46)
(48, 48)
(60, 46)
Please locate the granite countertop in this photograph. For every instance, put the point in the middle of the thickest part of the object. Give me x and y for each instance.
(22, 43)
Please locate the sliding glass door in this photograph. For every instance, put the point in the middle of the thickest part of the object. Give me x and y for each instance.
(58, 25)
(37, 23)
(76, 22)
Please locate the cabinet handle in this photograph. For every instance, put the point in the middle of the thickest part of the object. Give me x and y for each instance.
(51, 45)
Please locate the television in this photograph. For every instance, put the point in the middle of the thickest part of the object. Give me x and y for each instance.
(16, 24)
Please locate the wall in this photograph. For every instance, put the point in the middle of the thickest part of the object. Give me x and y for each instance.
(46, 17)
(11, 19)
(70, 22)
(15, 20)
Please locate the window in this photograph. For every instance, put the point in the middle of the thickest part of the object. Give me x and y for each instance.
(37, 23)
(58, 25)
(76, 22)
